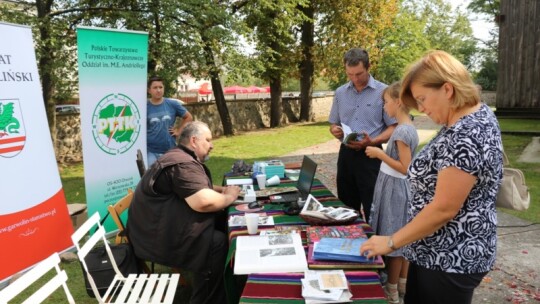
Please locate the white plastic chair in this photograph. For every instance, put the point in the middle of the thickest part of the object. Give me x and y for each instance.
(136, 288)
(27, 279)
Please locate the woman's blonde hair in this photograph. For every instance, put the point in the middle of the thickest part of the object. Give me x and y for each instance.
(435, 69)
(393, 91)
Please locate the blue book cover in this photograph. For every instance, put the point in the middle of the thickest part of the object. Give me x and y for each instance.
(340, 249)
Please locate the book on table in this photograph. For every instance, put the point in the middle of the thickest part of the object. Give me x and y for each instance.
(312, 207)
(315, 233)
(269, 254)
(340, 249)
(376, 262)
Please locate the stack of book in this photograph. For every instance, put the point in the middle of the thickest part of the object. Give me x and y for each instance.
(325, 287)
(340, 249)
(341, 253)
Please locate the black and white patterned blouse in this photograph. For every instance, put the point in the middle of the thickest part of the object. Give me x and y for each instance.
(467, 244)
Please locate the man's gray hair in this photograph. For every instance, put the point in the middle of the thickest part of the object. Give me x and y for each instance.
(193, 128)
(354, 56)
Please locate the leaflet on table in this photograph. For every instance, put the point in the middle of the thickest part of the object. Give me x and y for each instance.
(340, 249)
(325, 287)
(314, 208)
(269, 254)
(240, 220)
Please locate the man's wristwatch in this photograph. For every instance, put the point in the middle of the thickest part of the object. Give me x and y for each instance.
(391, 243)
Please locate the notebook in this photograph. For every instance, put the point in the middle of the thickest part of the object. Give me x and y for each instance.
(303, 185)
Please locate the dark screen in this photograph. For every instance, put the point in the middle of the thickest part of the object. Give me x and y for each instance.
(307, 174)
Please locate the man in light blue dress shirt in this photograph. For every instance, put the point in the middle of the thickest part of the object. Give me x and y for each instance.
(359, 105)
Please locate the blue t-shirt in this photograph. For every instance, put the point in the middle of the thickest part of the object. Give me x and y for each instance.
(159, 119)
(467, 243)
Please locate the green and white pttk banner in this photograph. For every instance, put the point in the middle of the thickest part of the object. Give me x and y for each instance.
(112, 89)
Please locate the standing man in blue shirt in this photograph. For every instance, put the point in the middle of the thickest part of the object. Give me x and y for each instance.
(161, 116)
(359, 105)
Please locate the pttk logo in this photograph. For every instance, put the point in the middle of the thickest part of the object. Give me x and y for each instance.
(116, 123)
(12, 131)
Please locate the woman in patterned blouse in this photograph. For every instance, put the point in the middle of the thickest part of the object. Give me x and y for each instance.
(450, 239)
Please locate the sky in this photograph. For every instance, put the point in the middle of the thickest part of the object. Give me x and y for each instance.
(480, 26)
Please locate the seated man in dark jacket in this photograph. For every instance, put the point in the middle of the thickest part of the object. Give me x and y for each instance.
(174, 212)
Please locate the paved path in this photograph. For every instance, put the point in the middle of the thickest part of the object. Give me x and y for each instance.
(516, 277)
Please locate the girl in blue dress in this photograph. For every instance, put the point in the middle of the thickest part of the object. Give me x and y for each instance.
(389, 208)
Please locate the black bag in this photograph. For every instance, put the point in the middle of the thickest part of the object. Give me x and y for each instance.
(101, 269)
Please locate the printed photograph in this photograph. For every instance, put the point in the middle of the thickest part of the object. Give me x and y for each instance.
(285, 251)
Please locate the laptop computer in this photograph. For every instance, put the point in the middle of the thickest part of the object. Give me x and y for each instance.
(304, 183)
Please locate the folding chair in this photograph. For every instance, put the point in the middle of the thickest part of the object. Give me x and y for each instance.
(116, 210)
(136, 288)
(32, 276)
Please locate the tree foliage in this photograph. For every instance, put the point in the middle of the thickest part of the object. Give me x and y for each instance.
(274, 24)
(421, 25)
(487, 75)
(346, 24)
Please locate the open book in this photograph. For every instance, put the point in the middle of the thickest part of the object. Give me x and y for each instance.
(348, 134)
(269, 254)
(314, 208)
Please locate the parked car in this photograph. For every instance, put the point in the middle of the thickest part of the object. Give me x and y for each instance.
(61, 109)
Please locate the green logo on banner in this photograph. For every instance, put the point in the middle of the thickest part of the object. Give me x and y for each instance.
(116, 123)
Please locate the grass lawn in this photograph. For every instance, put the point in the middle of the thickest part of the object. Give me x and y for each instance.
(267, 144)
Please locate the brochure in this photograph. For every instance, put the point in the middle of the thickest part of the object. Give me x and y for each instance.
(240, 220)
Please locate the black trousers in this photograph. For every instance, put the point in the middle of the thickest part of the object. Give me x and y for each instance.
(356, 178)
(425, 286)
(208, 287)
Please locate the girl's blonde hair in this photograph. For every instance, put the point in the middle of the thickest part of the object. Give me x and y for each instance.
(393, 91)
(434, 70)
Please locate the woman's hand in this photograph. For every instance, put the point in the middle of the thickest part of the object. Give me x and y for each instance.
(375, 245)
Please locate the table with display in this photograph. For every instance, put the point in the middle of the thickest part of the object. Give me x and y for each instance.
(286, 287)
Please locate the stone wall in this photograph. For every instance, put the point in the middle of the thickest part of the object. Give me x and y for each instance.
(245, 115)
(253, 114)
(68, 147)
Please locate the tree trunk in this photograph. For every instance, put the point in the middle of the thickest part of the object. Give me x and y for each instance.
(221, 104)
(275, 102)
(306, 64)
(45, 62)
